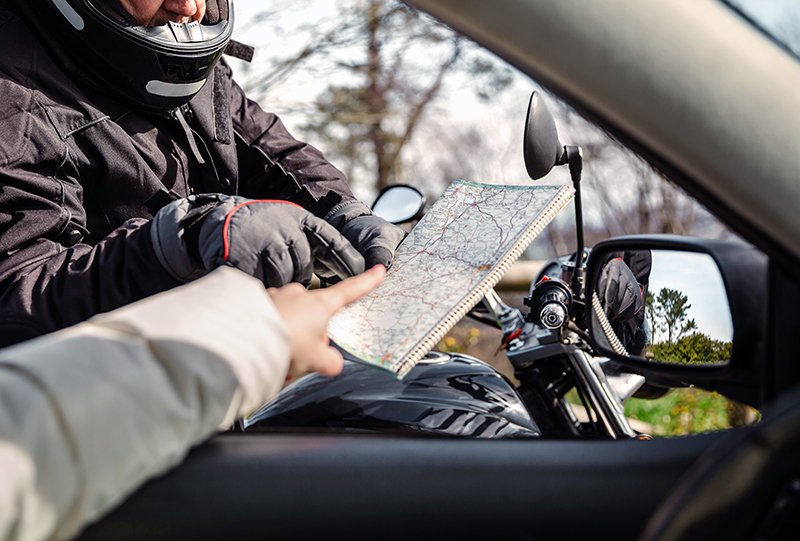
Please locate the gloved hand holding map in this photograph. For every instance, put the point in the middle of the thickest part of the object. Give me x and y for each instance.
(458, 251)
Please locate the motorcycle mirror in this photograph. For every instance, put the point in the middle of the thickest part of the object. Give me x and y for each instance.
(399, 203)
(541, 146)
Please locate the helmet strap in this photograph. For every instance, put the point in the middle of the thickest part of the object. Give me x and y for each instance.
(239, 50)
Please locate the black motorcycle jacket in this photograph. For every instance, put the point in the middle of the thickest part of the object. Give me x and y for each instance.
(81, 175)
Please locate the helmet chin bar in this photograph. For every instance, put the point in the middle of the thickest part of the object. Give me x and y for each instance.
(176, 34)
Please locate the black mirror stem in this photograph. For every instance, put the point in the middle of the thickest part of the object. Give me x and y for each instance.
(574, 157)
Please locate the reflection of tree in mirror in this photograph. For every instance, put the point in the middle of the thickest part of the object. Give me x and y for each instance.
(694, 348)
(668, 313)
(668, 316)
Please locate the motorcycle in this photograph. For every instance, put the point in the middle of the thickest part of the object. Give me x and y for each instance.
(450, 394)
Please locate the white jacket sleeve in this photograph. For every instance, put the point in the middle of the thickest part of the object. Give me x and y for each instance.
(89, 413)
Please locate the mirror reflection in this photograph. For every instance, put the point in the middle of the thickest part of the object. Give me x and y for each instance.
(664, 306)
(399, 203)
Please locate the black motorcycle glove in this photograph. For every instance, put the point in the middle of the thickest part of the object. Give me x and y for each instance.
(375, 238)
(623, 304)
(275, 241)
(619, 292)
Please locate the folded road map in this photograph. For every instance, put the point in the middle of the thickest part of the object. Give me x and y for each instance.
(459, 250)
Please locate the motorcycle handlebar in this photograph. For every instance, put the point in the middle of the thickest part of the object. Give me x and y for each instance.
(549, 302)
(553, 315)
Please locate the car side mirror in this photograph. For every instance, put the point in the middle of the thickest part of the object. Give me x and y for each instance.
(399, 203)
(688, 309)
(663, 306)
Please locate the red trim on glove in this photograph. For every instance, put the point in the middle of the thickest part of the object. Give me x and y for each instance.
(229, 216)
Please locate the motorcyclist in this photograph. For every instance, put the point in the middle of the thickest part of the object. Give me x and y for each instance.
(118, 118)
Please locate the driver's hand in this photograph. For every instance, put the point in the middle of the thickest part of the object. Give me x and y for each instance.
(306, 314)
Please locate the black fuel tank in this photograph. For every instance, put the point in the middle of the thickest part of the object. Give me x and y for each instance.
(445, 394)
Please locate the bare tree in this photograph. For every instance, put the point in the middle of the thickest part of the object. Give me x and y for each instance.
(384, 66)
(399, 68)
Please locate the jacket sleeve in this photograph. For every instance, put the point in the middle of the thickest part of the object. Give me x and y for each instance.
(273, 158)
(47, 286)
(91, 412)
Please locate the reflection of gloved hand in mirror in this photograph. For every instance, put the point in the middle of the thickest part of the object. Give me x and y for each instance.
(375, 238)
(623, 304)
(275, 241)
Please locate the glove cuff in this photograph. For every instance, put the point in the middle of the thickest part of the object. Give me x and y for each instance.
(346, 211)
(167, 233)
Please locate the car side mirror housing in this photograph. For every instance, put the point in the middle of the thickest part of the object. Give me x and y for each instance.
(678, 310)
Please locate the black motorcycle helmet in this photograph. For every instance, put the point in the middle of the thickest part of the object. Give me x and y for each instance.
(158, 67)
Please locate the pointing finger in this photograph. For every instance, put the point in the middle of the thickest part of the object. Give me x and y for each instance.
(351, 289)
